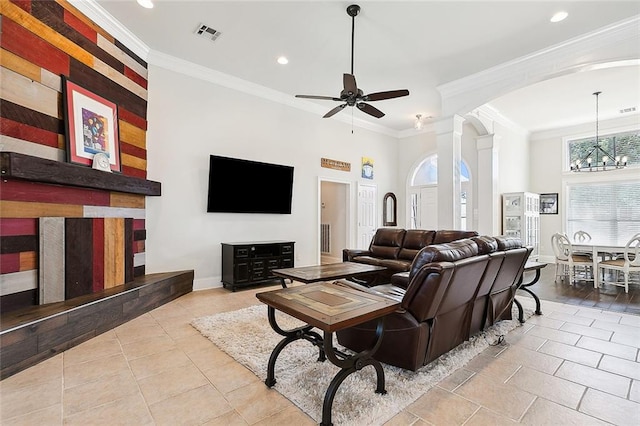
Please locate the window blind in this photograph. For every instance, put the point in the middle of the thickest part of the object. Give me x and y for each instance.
(609, 212)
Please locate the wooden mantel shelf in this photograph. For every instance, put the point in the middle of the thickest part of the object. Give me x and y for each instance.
(26, 167)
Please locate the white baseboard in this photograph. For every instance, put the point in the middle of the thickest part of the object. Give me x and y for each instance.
(206, 283)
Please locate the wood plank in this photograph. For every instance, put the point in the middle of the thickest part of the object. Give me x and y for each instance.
(18, 190)
(19, 300)
(81, 26)
(53, 15)
(28, 260)
(21, 114)
(24, 209)
(110, 229)
(126, 148)
(138, 224)
(17, 39)
(103, 86)
(132, 134)
(18, 243)
(30, 94)
(9, 262)
(128, 250)
(51, 80)
(139, 259)
(118, 77)
(134, 76)
(120, 199)
(52, 258)
(129, 52)
(128, 61)
(78, 262)
(32, 24)
(114, 212)
(29, 133)
(133, 172)
(20, 65)
(98, 255)
(31, 149)
(129, 117)
(84, 19)
(17, 282)
(20, 166)
(139, 247)
(139, 234)
(132, 161)
(9, 227)
(118, 259)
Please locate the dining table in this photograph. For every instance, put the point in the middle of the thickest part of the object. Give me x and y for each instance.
(598, 248)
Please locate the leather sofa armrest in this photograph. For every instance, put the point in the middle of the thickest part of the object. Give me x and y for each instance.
(349, 254)
(400, 279)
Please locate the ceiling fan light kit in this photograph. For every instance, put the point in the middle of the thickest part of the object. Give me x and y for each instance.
(351, 95)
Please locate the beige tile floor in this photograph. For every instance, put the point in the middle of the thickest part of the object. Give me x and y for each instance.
(573, 365)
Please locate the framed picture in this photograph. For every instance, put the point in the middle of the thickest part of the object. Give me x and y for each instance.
(549, 203)
(92, 126)
(367, 168)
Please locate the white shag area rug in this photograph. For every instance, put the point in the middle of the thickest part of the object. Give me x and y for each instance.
(246, 336)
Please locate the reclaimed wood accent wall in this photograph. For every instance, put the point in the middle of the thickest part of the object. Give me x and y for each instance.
(41, 41)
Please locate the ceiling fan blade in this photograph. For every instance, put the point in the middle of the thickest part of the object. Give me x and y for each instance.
(350, 85)
(378, 96)
(334, 111)
(324, 98)
(370, 110)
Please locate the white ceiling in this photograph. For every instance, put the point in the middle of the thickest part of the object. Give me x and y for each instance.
(415, 45)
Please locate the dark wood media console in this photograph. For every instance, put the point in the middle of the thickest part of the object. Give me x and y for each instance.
(252, 262)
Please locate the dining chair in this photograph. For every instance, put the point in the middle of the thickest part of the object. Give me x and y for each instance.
(569, 259)
(629, 262)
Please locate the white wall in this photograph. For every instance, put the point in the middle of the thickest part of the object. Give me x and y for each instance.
(189, 119)
(547, 162)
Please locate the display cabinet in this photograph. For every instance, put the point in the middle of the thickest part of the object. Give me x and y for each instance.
(521, 218)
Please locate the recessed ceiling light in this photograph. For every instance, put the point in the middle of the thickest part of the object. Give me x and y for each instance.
(559, 16)
(148, 4)
(282, 60)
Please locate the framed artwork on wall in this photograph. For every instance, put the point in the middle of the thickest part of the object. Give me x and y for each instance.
(549, 203)
(367, 168)
(92, 126)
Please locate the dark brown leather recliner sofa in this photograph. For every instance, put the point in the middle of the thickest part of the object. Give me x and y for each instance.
(395, 248)
(454, 290)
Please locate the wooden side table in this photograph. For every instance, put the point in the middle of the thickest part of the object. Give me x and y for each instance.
(329, 307)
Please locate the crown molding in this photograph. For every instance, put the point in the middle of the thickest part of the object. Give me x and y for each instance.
(107, 22)
(615, 42)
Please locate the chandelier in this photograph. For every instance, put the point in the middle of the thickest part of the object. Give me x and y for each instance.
(603, 160)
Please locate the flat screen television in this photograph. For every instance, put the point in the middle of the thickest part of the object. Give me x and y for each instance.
(244, 186)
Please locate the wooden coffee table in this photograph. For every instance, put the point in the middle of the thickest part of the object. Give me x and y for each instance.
(329, 307)
(333, 271)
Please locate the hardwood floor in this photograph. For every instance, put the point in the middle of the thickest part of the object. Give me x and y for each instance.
(608, 297)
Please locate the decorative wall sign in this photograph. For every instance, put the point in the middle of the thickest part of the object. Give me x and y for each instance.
(549, 203)
(92, 126)
(335, 164)
(367, 167)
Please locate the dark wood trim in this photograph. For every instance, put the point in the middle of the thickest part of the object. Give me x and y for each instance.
(36, 169)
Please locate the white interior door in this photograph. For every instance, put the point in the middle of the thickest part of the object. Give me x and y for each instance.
(429, 207)
(367, 214)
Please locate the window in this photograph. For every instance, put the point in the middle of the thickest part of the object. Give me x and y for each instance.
(427, 172)
(609, 212)
(616, 145)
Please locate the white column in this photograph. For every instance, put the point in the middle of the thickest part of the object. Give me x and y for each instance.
(489, 205)
(448, 138)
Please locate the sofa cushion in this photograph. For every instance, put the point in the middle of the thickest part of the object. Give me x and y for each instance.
(446, 235)
(485, 244)
(387, 242)
(414, 241)
(394, 265)
(508, 243)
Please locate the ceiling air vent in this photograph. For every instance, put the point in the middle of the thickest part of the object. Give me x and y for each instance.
(207, 32)
(626, 110)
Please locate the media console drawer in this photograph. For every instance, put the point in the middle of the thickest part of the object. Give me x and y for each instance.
(249, 263)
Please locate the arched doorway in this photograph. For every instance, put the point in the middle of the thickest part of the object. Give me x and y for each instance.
(422, 196)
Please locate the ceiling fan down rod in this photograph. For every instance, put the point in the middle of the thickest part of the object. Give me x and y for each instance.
(353, 11)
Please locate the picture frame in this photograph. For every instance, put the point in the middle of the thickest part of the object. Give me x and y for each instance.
(549, 203)
(91, 125)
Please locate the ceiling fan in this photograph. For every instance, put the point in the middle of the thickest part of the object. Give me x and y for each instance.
(351, 95)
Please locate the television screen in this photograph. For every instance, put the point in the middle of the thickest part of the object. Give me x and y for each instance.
(243, 186)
